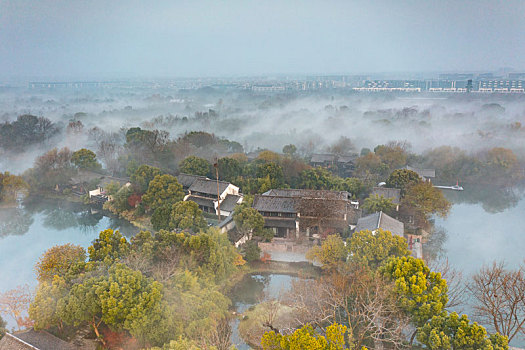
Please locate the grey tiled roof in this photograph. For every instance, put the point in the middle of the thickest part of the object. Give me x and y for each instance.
(346, 159)
(186, 180)
(229, 203)
(86, 176)
(9, 342)
(226, 221)
(205, 202)
(32, 339)
(427, 173)
(322, 194)
(380, 220)
(321, 158)
(393, 193)
(106, 180)
(275, 204)
(208, 186)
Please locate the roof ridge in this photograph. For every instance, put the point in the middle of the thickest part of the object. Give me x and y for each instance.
(21, 341)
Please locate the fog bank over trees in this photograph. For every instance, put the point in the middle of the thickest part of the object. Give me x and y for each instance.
(311, 122)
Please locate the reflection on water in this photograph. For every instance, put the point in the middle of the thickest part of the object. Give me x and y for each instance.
(27, 231)
(484, 225)
(493, 199)
(14, 221)
(251, 290)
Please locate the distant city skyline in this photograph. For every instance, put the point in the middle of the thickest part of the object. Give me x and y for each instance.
(133, 38)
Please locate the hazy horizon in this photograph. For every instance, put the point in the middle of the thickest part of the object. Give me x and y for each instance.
(136, 39)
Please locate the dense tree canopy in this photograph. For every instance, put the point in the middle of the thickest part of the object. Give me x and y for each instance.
(454, 332)
(85, 159)
(373, 249)
(377, 203)
(421, 293)
(187, 215)
(110, 246)
(289, 149)
(402, 179)
(58, 260)
(51, 169)
(195, 166)
(306, 338)
(229, 169)
(248, 220)
(424, 200)
(163, 190)
(143, 176)
(330, 254)
(392, 155)
(3, 325)
(26, 130)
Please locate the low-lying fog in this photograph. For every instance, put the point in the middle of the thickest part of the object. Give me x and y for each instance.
(311, 121)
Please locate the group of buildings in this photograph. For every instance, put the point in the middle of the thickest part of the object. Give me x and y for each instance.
(499, 82)
(294, 215)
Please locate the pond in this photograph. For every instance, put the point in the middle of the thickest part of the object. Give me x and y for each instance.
(252, 290)
(28, 231)
(484, 225)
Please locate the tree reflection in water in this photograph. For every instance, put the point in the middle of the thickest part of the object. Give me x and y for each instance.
(250, 289)
(14, 221)
(493, 199)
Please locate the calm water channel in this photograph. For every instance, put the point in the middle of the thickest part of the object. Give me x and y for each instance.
(251, 290)
(28, 231)
(484, 225)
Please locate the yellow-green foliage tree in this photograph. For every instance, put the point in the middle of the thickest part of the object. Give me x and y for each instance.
(421, 293)
(57, 261)
(11, 186)
(330, 254)
(454, 332)
(372, 250)
(124, 299)
(307, 338)
(45, 310)
(109, 246)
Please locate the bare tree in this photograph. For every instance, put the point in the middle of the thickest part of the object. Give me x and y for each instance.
(361, 300)
(500, 298)
(221, 336)
(15, 303)
(269, 314)
(457, 288)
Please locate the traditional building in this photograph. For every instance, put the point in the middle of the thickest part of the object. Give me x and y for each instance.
(34, 340)
(323, 160)
(382, 221)
(424, 174)
(344, 164)
(291, 213)
(186, 180)
(208, 193)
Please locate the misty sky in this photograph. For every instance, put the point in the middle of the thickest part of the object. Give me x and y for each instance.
(101, 38)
